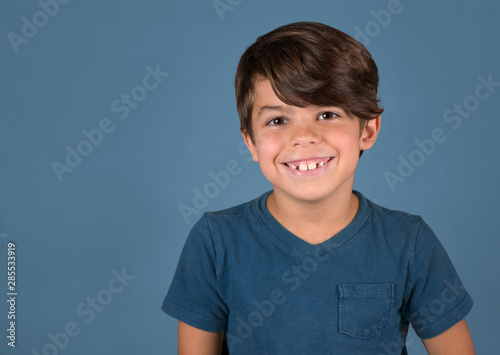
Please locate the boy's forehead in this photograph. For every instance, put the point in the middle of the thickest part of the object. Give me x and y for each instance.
(264, 93)
(265, 97)
(266, 100)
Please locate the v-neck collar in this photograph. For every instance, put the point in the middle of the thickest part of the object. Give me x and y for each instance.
(303, 247)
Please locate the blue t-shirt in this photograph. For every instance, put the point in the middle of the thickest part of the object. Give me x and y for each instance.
(243, 273)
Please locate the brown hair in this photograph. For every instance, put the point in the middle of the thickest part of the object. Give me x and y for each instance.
(309, 63)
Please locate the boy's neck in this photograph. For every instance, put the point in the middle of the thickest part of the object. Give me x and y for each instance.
(317, 221)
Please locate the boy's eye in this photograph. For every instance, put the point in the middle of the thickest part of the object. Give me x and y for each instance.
(327, 116)
(276, 121)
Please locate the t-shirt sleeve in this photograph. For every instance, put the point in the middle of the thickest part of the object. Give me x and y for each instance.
(434, 299)
(193, 296)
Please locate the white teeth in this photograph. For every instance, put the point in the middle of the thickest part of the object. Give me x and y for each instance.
(305, 167)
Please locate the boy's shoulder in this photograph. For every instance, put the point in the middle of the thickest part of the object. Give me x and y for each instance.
(236, 218)
(395, 221)
(250, 226)
(390, 213)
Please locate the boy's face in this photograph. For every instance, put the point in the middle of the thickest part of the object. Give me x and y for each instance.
(307, 153)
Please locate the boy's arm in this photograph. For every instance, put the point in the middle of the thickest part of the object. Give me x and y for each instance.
(454, 341)
(194, 341)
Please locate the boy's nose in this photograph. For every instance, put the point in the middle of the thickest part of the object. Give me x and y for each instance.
(304, 135)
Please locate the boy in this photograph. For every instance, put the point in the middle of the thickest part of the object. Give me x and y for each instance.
(313, 267)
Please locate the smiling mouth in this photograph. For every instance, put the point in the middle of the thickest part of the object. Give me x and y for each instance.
(311, 164)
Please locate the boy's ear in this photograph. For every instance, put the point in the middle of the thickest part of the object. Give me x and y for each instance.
(250, 145)
(369, 134)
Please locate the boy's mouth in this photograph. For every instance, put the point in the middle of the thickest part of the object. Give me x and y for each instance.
(310, 164)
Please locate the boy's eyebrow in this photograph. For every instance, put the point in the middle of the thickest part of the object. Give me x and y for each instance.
(270, 108)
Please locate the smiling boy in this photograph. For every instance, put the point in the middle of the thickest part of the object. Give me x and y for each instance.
(309, 154)
(313, 267)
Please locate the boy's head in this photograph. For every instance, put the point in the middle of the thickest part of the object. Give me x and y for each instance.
(309, 63)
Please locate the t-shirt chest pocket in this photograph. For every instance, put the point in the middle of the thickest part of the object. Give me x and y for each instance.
(364, 309)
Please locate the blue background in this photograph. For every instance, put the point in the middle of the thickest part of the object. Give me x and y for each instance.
(120, 207)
